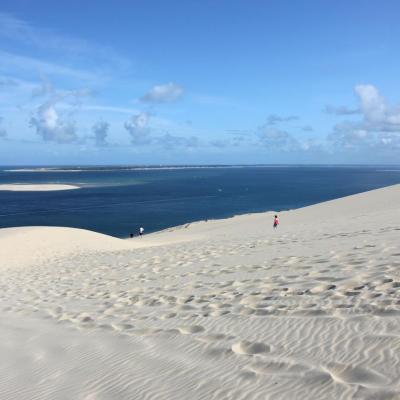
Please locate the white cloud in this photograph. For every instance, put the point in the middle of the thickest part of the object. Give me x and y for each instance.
(372, 104)
(51, 127)
(280, 140)
(3, 132)
(142, 134)
(138, 128)
(163, 93)
(375, 109)
(276, 139)
(341, 110)
(350, 135)
(53, 118)
(389, 140)
(100, 130)
(273, 119)
(379, 127)
(311, 144)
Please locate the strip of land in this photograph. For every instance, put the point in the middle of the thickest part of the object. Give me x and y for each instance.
(224, 309)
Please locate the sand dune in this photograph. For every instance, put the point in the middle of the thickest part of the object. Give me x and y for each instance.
(32, 245)
(225, 309)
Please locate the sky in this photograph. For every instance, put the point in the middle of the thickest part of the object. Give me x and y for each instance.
(199, 82)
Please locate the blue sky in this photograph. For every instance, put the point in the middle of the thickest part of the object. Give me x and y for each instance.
(168, 82)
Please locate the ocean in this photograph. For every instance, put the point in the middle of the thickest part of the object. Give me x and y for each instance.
(118, 200)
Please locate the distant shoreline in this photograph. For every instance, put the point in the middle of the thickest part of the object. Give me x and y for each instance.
(103, 168)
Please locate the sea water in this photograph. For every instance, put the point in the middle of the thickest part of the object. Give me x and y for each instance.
(118, 200)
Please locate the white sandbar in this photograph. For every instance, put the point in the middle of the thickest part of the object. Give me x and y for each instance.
(16, 187)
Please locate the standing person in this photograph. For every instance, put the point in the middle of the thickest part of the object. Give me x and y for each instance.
(141, 231)
(131, 235)
(276, 222)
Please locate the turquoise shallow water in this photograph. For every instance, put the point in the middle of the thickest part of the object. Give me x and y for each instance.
(118, 200)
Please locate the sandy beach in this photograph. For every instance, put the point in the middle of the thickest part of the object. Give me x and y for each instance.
(223, 309)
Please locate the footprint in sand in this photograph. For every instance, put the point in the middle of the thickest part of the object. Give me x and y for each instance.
(145, 331)
(217, 352)
(188, 330)
(356, 375)
(213, 337)
(106, 327)
(310, 313)
(168, 315)
(319, 289)
(277, 367)
(250, 348)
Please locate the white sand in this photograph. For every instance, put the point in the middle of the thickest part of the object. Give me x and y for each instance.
(227, 309)
(17, 187)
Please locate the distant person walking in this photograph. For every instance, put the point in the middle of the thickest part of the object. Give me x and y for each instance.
(141, 231)
(276, 222)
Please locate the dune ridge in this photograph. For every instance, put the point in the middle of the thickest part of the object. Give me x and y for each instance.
(224, 309)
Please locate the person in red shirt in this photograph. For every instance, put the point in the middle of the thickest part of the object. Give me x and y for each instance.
(276, 222)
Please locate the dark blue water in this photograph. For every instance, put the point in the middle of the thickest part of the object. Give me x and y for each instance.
(117, 201)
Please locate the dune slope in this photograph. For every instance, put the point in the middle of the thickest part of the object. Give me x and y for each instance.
(227, 309)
